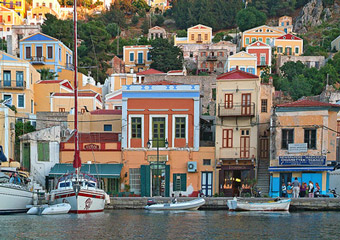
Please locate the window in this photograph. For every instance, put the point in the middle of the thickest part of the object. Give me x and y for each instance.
(203, 54)
(136, 127)
(310, 138)
(247, 41)
(264, 148)
(7, 78)
(288, 51)
(134, 180)
(43, 152)
(264, 105)
(44, 4)
(20, 78)
(297, 50)
(179, 182)
(51, 5)
(21, 101)
(220, 54)
(206, 162)
(180, 127)
(199, 37)
(220, 65)
(108, 127)
(148, 56)
(227, 138)
(50, 52)
(206, 37)
(132, 57)
(268, 41)
(251, 70)
(279, 49)
(262, 60)
(32, 106)
(59, 54)
(82, 110)
(38, 51)
(8, 29)
(191, 54)
(28, 53)
(61, 109)
(287, 138)
(192, 37)
(261, 39)
(228, 100)
(317, 65)
(6, 96)
(253, 39)
(1, 19)
(158, 131)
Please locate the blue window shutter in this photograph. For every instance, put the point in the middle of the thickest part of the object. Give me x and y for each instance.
(167, 180)
(131, 57)
(145, 180)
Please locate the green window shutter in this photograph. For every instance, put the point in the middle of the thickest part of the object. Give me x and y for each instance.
(40, 151)
(167, 180)
(46, 152)
(183, 182)
(145, 180)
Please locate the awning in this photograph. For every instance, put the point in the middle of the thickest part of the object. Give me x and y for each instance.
(300, 169)
(104, 170)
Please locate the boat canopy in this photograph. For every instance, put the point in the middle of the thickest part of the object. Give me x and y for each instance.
(104, 170)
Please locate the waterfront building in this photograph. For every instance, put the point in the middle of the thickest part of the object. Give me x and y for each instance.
(17, 81)
(288, 45)
(43, 51)
(243, 61)
(303, 143)
(335, 44)
(263, 53)
(262, 33)
(212, 58)
(8, 19)
(156, 32)
(19, 6)
(160, 141)
(137, 58)
(285, 24)
(237, 117)
(7, 131)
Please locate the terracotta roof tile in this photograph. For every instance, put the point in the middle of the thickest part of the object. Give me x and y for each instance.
(289, 37)
(236, 74)
(150, 72)
(308, 103)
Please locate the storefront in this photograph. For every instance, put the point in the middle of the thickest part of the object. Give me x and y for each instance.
(155, 179)
(235, 178)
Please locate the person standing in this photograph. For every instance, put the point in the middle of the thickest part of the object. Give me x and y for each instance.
(284, 190)
(289, 190)
(296, 188)
(303, 190)
(310, 189)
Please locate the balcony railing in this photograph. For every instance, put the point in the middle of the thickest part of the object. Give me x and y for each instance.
(139, 63)
(37, 60)
(238, 153)
(262, 63)
(236, 110)
(13, 84)
(211, 58)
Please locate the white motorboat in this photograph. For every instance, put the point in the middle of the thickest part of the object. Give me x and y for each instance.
(189, 205)
(275, 205)
(61, 208)
(14, 197)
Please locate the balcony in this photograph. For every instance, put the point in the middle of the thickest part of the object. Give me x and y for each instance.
(140, 63)
(263, 63)
(37, 60)
(212, 58)
(237, 153)
(236, 110)
(12, 84)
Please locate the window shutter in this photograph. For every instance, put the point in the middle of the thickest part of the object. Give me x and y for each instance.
(183, 182)
(167, 180)
(145, 180)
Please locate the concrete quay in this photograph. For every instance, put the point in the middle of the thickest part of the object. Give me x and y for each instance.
(220, 203)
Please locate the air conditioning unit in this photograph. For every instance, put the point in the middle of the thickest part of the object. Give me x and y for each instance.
(192, 166)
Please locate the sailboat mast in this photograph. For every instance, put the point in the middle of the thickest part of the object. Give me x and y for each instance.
(77, 161)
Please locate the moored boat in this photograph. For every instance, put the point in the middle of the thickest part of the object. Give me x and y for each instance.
(54, 209)
(276, 205)
(188, 205)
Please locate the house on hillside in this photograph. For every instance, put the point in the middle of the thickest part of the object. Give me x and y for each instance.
(288, 44)
(137, 58)
(335, 44)
(243, 61)
(263, 53)
(262, 33)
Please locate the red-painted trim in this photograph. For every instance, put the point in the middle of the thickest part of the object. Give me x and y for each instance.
(89, 195)
(86, 211)
(83, 150)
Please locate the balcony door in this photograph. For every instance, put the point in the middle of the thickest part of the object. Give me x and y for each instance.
(246, 104)
(7, 78)
(140, 58)
(39, 52)
(245, 143)
(158, 131)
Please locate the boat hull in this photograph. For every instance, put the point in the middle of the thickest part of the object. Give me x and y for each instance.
(87, 200)
(190, 205)
(281, 205)
(13, 199)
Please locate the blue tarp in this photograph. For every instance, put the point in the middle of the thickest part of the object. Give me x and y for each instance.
(3, 158)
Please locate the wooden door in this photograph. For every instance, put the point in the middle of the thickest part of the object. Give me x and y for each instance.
(245, 147)
(246, 104)
(39, 52)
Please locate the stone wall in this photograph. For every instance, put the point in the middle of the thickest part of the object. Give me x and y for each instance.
(207, 84)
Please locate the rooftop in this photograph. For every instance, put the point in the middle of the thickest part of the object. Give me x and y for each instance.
(163, 82)
(150, 71)
(289, 37)
(237, 74)
(308, 103)
(106, 112)
(95, 138)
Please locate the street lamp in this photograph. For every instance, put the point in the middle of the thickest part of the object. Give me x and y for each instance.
(166, 146)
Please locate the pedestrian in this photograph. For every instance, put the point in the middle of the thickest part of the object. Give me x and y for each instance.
(303, 189)
(289, 190)
(310, 189)
(284, 190)
(317, 190)
(296, 188)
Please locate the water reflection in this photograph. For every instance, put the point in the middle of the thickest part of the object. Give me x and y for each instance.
(142, 224)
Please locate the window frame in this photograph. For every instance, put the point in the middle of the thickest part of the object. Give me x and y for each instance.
(23, 100)
(181, 126)
(311, 143)
(131, 59)
(45, 148)
(48, 52)
(285, 141)
(227, 138)
(107, 127)
(264, 107)
(230, 103)
(136, 128)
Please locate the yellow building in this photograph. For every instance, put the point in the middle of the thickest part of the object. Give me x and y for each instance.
(44, 51)
(16, 82)
(288, 45)
(136, 58)
(243, 61)
(303, 143)
(7, 131)
(8, 18)
(237, 108)
(18, 6)
(198, 34)
(262, 33)
(51, 4)
(285, 24)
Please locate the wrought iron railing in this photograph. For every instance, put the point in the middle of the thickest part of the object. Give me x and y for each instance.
(13, 84)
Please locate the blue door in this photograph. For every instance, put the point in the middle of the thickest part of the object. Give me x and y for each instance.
(206, 183)
(284, 178)
(140, 58)
(314, 177)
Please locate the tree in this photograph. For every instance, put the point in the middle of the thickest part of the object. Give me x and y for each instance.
(134, 20)
(113, 29)
(47, 74)
(249, 18)
(181, 33)
(165, 56)
(221, 36)
(145, 26)
(291, 69)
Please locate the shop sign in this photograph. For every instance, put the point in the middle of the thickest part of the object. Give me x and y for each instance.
(91, 146)
(297, 147)
(302, 160)
(162, 158)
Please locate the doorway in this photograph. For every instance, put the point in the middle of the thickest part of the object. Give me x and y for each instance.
(26, 156)
(284, 178)
(158, 179)
(206, 183)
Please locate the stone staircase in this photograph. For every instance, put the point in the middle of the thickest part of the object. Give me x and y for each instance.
(263, 176)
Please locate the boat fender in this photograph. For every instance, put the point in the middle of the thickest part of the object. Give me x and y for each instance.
(107, 198)
(52, 197)
(47, 197)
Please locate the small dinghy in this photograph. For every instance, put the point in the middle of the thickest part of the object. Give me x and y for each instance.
(61, 208)
(174, 205)
(276, 205)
